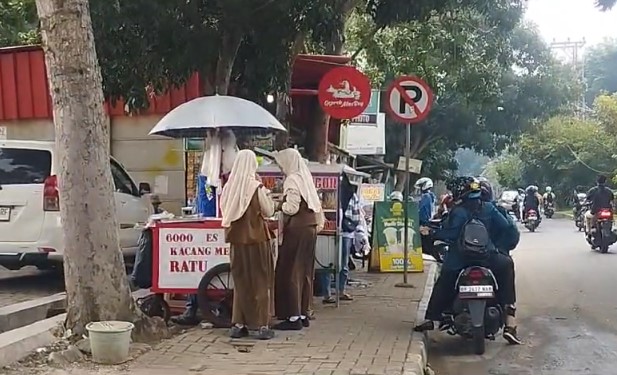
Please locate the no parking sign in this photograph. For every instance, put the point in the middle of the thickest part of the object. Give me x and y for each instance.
(409, 99)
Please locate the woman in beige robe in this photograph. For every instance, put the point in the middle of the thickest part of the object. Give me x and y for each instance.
(244, 206)
(295, 266)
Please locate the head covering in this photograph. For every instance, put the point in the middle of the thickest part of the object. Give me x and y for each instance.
(220, 152)
(240, 187)
(463, 188)
(298, 176)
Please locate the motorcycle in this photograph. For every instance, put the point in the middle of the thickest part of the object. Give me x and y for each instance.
(475, 313)
(604, 235)
(532, 220)
(579, 218)
(549, 210)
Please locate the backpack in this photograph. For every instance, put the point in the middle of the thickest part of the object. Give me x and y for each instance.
(474, 239)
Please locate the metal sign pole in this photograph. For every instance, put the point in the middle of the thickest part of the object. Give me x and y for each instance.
(406, 244)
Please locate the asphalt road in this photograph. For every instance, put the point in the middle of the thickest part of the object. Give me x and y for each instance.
(27, 284)
(567, 309)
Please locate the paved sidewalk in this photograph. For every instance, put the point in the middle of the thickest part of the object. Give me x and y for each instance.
(370, 335)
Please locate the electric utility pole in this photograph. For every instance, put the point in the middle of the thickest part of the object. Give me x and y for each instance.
(571, 52)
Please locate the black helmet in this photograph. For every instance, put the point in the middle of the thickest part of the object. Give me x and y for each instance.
(464, 188)
(486, 189)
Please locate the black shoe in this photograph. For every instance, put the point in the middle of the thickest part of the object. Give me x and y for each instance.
(511, 336)
(238, 332)
(305, 322)
(427, 325)
(265, 333)
(288, 325)
(186, 319)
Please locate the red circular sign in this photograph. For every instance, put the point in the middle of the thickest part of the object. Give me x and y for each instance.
(344, 92)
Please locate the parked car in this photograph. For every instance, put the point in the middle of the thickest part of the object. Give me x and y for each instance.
(30, 227)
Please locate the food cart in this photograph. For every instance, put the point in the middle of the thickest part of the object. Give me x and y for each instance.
(190, 253)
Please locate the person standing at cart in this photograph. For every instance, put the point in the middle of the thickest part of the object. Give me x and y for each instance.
(350, 212)
(303, 219)
(244, 206)
(219, 156)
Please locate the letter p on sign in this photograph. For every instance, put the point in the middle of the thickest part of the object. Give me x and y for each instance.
(409, 100)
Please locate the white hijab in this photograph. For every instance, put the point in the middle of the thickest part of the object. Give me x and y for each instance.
(240, 188)
(298, 177)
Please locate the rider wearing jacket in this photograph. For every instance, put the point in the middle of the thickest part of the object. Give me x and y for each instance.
(426, 210)
(600, 198)
(466, 193)
(505, 243)
(533, 200)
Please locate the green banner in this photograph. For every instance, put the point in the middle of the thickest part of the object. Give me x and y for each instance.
(389, 236)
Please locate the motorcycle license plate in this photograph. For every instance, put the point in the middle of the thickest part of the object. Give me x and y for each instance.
(475, 289)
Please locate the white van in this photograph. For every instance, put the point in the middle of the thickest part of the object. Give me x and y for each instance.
(30, 227)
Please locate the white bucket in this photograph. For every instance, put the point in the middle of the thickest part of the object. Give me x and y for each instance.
(110, 341)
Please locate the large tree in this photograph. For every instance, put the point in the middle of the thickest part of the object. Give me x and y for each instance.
(565, 151)
(96, 283)
(491, 79)
(600, 72)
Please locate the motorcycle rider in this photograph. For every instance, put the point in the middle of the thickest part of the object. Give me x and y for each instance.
(533, 200)
(600, 197)
(503, 234)
(426, 210)
(548, 197)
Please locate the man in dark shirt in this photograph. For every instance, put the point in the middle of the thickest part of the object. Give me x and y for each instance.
(600, 197)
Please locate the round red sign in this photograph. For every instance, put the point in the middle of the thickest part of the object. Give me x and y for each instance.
(344, 92)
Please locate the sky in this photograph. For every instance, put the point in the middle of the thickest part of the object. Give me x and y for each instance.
(574, 19)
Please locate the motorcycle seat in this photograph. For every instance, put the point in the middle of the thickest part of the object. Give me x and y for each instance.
(439, 243)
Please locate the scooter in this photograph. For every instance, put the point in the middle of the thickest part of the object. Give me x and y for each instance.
(579, 218)
(549, 210)
(532, 221)
(476, 313)
(604, 235)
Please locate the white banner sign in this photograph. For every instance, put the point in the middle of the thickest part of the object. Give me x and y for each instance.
(365, 139)
(186, 254)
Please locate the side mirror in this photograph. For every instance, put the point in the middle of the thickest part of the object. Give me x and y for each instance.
(144, 188)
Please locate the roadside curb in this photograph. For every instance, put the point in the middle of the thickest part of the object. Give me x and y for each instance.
(417, 354)
(21, 342)
(24, 313)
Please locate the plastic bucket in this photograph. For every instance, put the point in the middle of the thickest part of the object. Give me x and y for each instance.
(110, 341)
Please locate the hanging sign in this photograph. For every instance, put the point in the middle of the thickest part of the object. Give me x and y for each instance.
(409, 100)
(344, 92)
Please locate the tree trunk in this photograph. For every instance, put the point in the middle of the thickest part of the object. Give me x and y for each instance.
(320, 122)
(230, 43)
(96, 284)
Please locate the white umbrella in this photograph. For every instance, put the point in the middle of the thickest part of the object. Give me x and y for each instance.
(194, 118)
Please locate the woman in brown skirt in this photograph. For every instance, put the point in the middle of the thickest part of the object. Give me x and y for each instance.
(244, 205)
(295, 266)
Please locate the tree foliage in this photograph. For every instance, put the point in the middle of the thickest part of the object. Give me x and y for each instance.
(491, 80)
(600, 72)
(18, 23)
(566, 151)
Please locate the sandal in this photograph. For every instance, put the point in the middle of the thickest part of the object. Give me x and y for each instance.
(346, 297)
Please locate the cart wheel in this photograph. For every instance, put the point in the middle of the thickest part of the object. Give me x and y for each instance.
(155, 305)
(215, 296)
